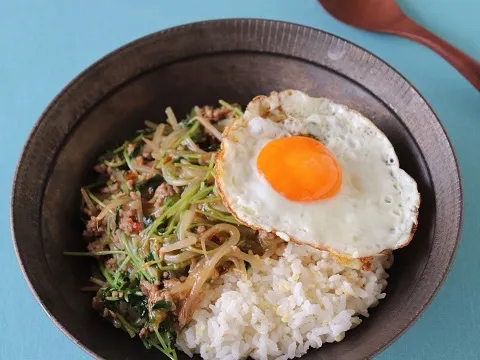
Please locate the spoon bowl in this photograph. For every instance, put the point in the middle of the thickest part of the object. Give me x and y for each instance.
(385, 16)
(372, 15)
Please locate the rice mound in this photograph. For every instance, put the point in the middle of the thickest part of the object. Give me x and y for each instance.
(282, 308)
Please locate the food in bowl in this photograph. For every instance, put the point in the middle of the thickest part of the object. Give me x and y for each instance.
(180, 262)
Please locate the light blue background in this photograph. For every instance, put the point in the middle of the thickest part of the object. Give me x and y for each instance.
(44, 44)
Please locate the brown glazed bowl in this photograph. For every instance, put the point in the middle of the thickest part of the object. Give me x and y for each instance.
(197, 64)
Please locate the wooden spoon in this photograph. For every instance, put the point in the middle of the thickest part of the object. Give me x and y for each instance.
(385, 16)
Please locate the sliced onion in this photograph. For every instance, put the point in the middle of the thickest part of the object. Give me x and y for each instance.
(157, 155)
(118, 175)
(151, 124)
(171, 119)
(236, 263)
(252, 259)
(242, 268)
(210, 244)
(157, 136)
(171, 139)
(218, 205)
(110, 223)
(203, 273)
(192, 172)
(179, 258)
(171, 180)
(190, 239)
(222, 250)
(184, 224)
(153, 146)
(112, 205)
(222, 124)
(207, 125)
(147, 170)
(194, 147)
(87, 200)
(204, 247)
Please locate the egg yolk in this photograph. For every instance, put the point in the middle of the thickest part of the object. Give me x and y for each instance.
(302, 169)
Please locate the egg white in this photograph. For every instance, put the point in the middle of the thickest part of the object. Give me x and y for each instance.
(376, 208)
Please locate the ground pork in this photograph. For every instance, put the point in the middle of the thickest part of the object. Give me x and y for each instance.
(94, 228)
(147, 287)
(211, 114)
(160, 295)
(221, 113)
(161, 193)
(126, 220)
(153, 292)
(110, 188)
(111, 264)
(207, 112)
(95, 246)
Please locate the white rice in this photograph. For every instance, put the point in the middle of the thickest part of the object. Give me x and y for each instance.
(282, 308)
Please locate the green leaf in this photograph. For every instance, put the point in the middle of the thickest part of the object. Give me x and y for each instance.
(139, 304)
(166, 336)
(150, 185)
(162, 305)
(149, 257)
(109, 304)
(117, 216)
(136, 151)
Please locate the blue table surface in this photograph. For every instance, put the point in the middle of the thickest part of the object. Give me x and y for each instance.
(44, 44)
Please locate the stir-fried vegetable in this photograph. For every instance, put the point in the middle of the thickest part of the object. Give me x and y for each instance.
(159, 229)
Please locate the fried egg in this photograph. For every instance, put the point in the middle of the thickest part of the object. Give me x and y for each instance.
(316, 173)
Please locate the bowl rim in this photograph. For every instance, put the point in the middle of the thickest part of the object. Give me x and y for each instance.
(216, 22)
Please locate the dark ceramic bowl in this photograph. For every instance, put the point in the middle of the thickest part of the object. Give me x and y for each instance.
(198, 64)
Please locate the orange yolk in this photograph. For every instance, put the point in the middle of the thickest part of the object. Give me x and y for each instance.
(300, 168)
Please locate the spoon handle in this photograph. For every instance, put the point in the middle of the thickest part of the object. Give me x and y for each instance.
(466, 65)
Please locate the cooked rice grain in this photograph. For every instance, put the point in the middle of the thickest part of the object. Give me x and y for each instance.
(304, 299)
